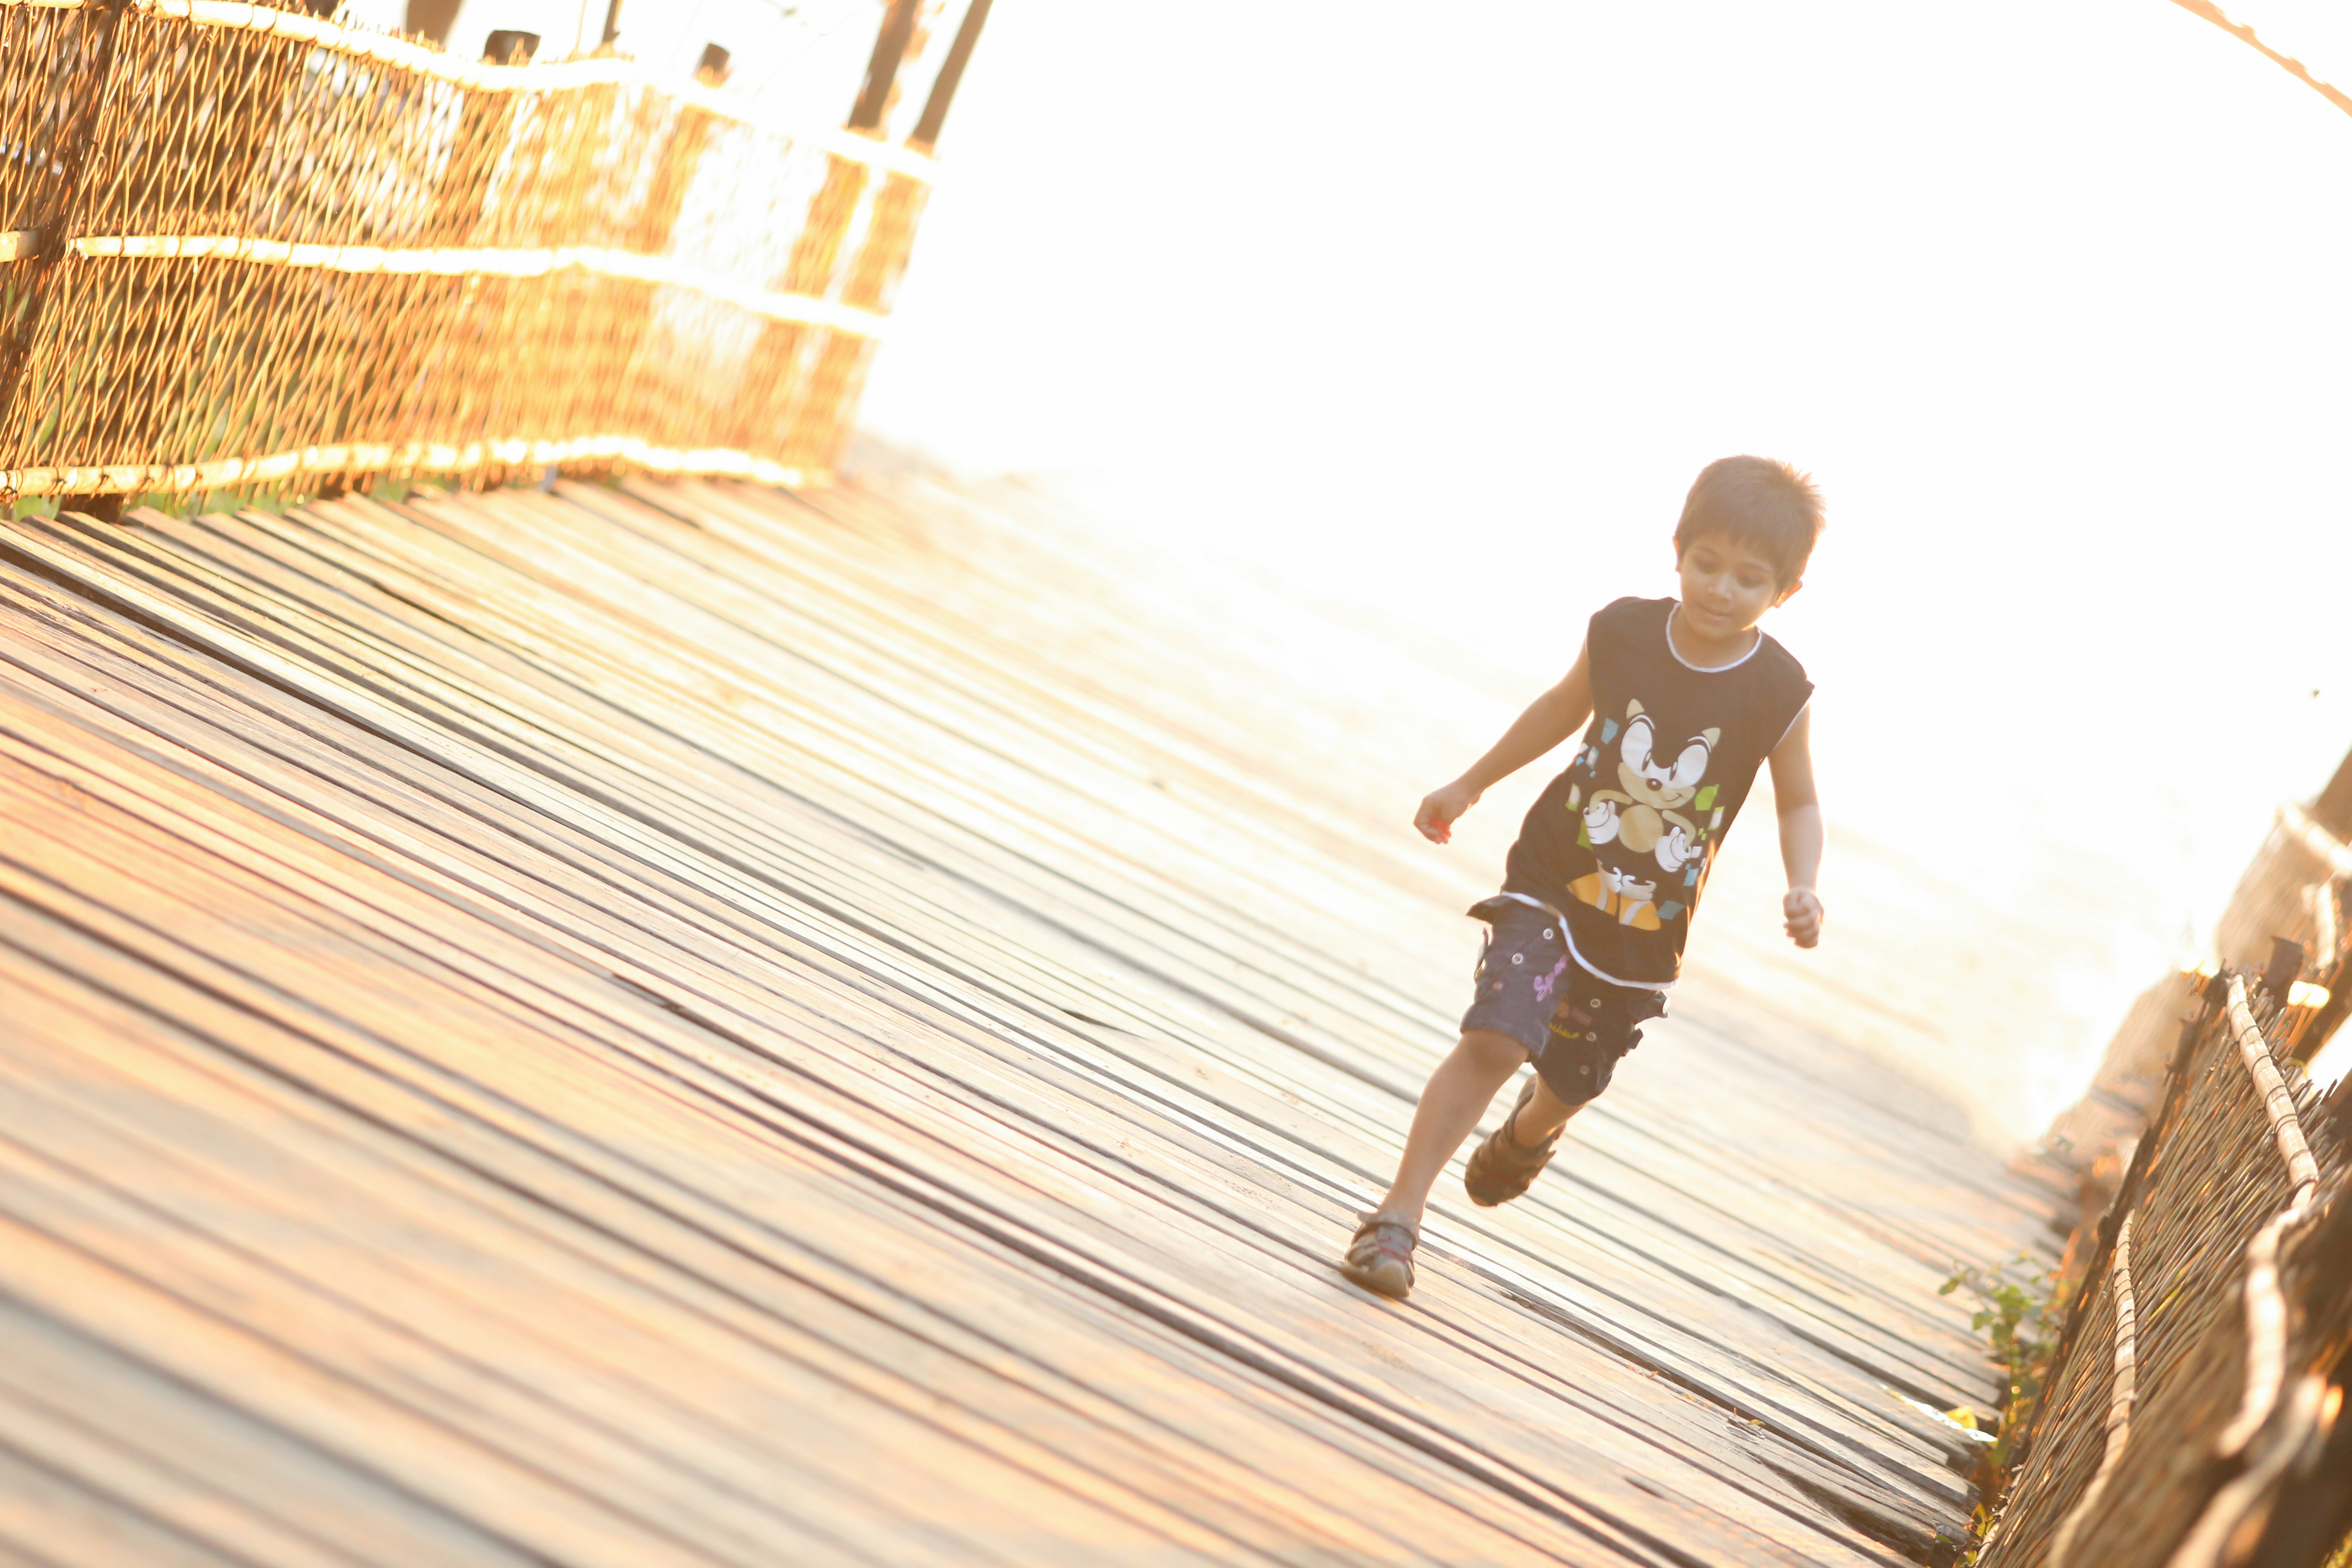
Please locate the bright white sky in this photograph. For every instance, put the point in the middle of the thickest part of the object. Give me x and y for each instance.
(1440, 309)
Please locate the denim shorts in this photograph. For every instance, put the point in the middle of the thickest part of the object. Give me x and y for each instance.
(1574, 1025)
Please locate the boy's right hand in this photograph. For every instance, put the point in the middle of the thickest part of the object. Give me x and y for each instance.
(1802, 917)
(1440, 808)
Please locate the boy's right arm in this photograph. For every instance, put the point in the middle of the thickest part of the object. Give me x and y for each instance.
(1550, 719)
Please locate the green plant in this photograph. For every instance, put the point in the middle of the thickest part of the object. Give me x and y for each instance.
(2019, 1309)
(2019, 1313)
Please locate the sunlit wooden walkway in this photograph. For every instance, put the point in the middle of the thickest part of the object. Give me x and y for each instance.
(697, 1027)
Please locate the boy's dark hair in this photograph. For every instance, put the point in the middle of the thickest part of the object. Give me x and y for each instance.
(1766, 505)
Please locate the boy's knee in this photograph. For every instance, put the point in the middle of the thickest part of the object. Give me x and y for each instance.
(1493, 1050)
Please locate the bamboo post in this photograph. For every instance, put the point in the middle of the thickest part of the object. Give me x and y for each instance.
(943, 86)
(91, 80)
(842, 363)
(785, 391)
(882, 66)
(431, 18)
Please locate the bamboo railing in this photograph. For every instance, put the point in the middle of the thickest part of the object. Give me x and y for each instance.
(2195, 1391)
(244, 247)
(2201, 1374)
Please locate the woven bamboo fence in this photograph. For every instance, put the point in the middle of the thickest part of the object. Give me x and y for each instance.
(244, 247)
(2198, 1381)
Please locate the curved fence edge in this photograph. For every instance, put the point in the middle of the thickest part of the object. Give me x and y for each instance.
(2120, 1395)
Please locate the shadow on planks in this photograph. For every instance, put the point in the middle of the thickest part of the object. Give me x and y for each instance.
(693, 1025)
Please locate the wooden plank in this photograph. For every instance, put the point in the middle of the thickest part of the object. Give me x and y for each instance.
(448, 1020)
(777, 980)
(191, 1475)
(722, 1264)
(50, 1519)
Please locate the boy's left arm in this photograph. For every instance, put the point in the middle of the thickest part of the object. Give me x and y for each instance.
(1801, 830)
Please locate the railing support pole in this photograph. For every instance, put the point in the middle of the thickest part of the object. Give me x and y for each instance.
(944, 86)
(882, 68)
(59, 222)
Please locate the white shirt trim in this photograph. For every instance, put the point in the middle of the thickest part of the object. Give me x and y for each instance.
(1583, 962)
(1706, 669)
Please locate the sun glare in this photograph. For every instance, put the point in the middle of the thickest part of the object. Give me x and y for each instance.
(1443, 316)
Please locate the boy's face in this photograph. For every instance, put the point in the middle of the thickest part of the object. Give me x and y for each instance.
(1728, 586)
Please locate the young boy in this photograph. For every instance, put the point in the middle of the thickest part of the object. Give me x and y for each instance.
(1686, 700)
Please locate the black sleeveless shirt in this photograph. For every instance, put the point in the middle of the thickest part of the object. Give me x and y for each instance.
(1621, 843)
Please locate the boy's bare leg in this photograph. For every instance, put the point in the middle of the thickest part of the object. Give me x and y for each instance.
(1459, 1092)
(1545, 1114)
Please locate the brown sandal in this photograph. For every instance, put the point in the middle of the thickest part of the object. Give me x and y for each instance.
(1379, 1258)
(1502, 1167)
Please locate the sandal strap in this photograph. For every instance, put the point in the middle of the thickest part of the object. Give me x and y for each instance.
(1507, 1139)
(1371, 1224)
(1382, 1240)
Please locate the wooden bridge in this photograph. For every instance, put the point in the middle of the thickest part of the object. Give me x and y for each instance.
(691, 1024)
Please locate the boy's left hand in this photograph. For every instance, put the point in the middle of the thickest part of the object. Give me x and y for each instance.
(1802, 908)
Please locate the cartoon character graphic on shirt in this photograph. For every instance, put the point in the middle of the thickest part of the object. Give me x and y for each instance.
(1648, 834)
